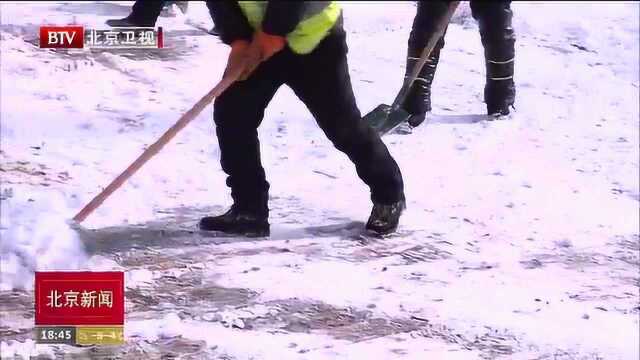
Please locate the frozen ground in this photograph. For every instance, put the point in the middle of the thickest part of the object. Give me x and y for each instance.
(520, 241)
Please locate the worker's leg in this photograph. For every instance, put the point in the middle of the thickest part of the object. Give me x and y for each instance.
(428, 15)
(498, 39)
(237, 114)
(321, 80)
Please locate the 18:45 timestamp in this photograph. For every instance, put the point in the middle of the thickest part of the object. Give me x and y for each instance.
(55, 335)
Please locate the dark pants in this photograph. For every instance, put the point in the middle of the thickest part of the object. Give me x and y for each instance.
(146, 11)
(498, 38)
(321, 80)
(494, 21)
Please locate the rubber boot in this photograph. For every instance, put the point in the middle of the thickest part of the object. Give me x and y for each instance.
(384, 219)
(237, 220)
(498, 39)
(247, 218)
(418, 101)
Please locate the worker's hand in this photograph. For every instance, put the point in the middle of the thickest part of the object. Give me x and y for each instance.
(263, 47)
(268, 44)
(238, 60)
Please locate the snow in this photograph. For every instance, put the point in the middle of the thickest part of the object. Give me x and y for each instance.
(25, 350)
(40, 239)
(520, 240)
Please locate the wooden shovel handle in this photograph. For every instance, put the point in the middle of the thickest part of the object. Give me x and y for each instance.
(154, 149)
(426, 52)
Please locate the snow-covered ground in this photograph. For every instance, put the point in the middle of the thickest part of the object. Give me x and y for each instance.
(520, 240)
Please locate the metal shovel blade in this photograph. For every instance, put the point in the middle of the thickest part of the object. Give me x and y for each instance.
(378, 116)
(384, 118)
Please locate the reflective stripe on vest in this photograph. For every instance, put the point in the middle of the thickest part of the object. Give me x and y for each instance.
(314, 27)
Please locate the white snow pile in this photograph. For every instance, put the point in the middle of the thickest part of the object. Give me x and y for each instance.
(36, 236)
(25, 350)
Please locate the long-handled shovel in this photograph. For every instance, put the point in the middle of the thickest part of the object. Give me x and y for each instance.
(385, 118)
(154, 148)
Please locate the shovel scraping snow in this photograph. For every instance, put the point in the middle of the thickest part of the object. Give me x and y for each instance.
(154, 148)
(385, 118)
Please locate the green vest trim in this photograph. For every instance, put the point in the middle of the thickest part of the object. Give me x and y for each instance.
(307, 34)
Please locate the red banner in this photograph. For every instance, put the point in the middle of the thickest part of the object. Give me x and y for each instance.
(66, 37)
(79, 298)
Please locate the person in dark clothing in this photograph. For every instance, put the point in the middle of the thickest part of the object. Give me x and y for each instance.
(145, 13)
(498, 39)
(272, 46)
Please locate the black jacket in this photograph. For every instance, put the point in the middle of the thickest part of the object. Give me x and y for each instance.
(281, 18)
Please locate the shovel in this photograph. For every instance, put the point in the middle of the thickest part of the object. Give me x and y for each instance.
(385, 118)
(153, 149)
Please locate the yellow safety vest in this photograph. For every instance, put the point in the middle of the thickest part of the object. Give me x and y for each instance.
(307, 34)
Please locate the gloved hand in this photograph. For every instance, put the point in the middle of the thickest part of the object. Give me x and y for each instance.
(269, 44)
(263, 47)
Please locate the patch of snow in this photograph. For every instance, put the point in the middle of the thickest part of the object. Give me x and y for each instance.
(37, 236)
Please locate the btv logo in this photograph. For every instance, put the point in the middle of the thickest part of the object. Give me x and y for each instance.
(61, 37)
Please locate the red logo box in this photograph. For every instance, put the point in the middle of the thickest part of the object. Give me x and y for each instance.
(61, 37)
(79, 298)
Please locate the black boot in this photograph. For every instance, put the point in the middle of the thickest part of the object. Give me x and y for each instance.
(238, 221)
(128, 22)
(418, 101)
(499, 96)
(417, 119)
(498, 39)
(499, 90)
(384, 219)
